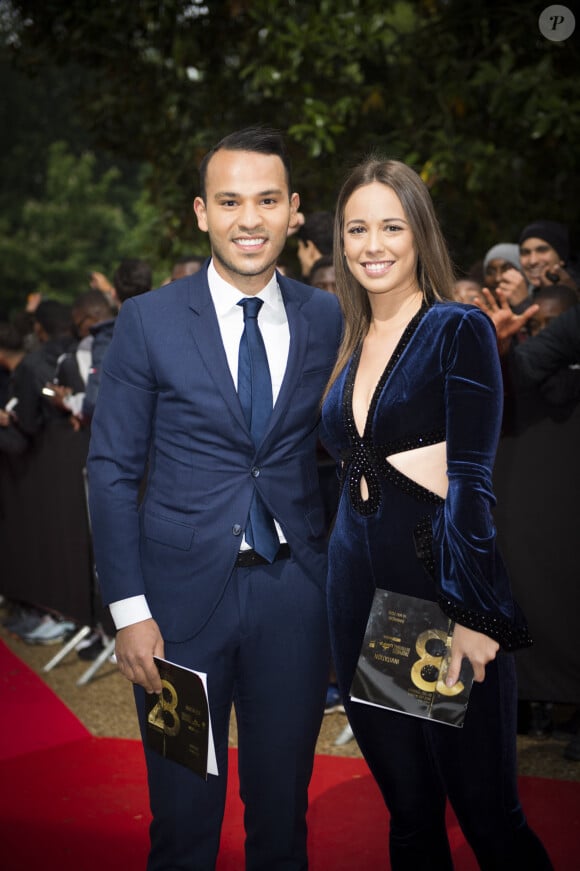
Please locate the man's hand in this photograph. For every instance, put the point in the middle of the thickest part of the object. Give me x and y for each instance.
(98, 281)
(135, 647)
(513, 286)
(60, 393)
(477, 647)
(564, 277)
(33, 300)
(506, 323)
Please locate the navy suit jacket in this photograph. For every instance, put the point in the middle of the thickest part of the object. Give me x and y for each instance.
(168, 405)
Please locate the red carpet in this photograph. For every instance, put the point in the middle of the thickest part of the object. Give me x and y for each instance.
(33, 717)
(81, 803)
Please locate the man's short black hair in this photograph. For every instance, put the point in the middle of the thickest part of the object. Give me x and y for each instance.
(11, 339)
(54, 317)
(93, 302)
(561, 293)
(132, 277)
(190, 258)
(261, 140)
(319, 229)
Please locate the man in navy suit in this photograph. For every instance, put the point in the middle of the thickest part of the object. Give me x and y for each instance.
(176, 566)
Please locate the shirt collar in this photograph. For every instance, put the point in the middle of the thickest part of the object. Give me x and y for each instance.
(225, 296)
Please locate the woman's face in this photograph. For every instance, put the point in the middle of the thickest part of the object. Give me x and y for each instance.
(378, 242)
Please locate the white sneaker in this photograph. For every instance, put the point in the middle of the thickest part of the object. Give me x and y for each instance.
(50, 631)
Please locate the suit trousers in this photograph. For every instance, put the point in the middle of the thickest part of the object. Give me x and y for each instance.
(265, 649)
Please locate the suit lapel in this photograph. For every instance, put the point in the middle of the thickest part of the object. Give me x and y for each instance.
(298, 326)
(206, 334)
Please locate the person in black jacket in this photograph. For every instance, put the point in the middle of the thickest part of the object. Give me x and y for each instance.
(551, 359)
(537, 478)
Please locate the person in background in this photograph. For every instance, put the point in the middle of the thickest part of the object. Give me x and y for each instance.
(54, 334)
(42, 492)
(73, 369)
(544, 254)
(12, 353)
(322, 274)
(314, 240)
(188, 264)
(99, 281)
(502, 270)
(412, 414)
(552, 301)
(537, 477)
(466, 290)
(132, 277)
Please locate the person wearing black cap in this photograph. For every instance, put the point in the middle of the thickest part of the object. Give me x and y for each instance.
(544, 254)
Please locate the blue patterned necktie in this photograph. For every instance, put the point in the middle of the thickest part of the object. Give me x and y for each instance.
(255, 393)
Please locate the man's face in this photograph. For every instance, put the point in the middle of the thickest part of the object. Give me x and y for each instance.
(547, 311)
(537, 257)
(466, 291)
(82, 322)
(325, 278)
(182, 270)
(247, 212)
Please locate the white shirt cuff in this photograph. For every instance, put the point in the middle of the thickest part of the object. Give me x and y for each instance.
(125, 612)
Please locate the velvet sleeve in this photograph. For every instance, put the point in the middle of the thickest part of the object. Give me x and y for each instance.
(474, 586)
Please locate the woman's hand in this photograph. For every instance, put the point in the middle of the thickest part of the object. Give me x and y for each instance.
(477, 647)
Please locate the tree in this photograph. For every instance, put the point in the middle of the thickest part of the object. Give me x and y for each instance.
(468, 92)
(77, 224)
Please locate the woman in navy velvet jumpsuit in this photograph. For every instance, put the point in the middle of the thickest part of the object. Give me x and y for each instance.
(412, 415)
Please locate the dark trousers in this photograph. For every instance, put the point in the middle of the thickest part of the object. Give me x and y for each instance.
(419, 764)
(265, 649)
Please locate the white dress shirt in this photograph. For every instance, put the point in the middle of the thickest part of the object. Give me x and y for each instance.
(275, 331)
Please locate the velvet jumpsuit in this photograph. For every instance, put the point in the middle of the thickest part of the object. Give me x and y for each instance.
(442, 383)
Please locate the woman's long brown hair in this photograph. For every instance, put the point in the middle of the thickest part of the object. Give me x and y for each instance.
(434, 269)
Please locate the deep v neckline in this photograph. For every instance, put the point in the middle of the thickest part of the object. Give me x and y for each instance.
(404, 340)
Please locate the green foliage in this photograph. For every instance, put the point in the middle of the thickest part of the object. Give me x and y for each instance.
(468, 92)
(78, 224)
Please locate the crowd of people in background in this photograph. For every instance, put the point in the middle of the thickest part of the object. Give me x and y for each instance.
(51, 356)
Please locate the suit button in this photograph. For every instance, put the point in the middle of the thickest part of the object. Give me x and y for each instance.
(255, 472)
(237, 529)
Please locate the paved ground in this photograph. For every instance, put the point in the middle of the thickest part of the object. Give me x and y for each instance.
(105, 706)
